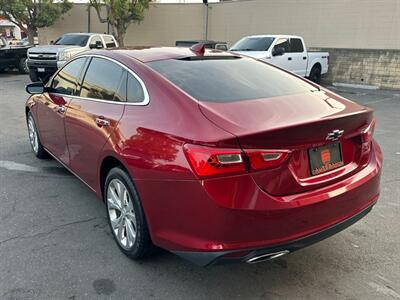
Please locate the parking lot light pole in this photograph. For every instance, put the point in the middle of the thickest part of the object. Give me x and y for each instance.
(205, 2)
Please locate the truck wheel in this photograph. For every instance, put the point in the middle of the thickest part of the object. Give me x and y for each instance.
(22, 66)
(33, 76)
(315, 74)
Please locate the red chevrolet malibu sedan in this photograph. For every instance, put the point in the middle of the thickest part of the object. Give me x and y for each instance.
(213, 156)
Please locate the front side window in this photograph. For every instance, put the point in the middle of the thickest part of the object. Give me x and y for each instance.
(228, 79)
(296, 45)
(110, 42)
(66, 81)
(96, 40)
(284, 43)
(102, 79)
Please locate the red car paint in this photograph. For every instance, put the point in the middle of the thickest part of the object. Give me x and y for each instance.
(246, 209)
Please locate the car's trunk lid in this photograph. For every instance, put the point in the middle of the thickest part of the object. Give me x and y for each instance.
(296, 123)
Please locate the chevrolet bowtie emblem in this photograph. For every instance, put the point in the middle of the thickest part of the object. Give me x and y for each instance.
(334, 135)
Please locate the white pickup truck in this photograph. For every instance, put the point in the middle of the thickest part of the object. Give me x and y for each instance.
(285, 51)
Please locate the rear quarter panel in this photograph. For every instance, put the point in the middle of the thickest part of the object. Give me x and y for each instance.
(317, 57)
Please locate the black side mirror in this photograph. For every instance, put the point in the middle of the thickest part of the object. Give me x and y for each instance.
(35, 88)
(278, 51)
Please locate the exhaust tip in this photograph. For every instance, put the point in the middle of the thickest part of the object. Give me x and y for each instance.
(267, 256)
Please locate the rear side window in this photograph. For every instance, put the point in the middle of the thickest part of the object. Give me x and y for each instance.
(233, 79)
(110, 42)
(102, 79)
(134, 90)
(65, 82)
(296, 45)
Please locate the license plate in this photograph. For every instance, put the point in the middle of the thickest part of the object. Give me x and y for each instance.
(41, 70)
(325, 158)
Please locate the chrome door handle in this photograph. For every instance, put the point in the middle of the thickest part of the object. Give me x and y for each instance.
(102, 122)
(61, 109)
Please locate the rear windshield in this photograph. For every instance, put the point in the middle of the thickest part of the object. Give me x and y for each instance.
(225, 80)
(70, 39)
(253, 44)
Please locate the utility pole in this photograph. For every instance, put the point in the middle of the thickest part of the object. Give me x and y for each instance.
(205, 2)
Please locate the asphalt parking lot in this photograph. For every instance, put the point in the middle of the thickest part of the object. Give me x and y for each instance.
(55, 242)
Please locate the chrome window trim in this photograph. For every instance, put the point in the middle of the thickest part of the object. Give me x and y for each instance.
(145, 101)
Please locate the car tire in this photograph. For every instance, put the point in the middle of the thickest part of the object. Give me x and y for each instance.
(22, 66)
(125, 215)
(33, 76)
(34, 138)
(315, 74)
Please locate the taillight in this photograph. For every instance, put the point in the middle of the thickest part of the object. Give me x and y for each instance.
(265, 159)
(368, 132)
(209, 162)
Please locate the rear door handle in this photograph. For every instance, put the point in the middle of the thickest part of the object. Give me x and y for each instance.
(289, 58)
(100, 121)
(304, 57)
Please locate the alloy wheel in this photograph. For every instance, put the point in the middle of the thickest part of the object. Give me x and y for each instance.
(33, 135)
(121, 213)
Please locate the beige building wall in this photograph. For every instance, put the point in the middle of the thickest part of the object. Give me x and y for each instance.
(362, 36)
(363, 24)
(366, 24)
(163, 24)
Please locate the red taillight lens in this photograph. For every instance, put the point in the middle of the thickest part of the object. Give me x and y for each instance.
(367, 133)
(207, 162)
(264, 159)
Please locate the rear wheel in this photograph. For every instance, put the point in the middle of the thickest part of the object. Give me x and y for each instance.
(34, 139)
(22, 66)
(315, 74)
(126, 216)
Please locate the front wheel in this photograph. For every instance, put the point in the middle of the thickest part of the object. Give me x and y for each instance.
(22, 66)
(34, 139)
(126, 216)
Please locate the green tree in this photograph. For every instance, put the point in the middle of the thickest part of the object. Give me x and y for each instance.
(119, 14)
(29, 15)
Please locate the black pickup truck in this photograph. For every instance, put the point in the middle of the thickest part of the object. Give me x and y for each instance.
(13, 57)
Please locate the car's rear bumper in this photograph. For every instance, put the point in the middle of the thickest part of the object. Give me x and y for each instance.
(233, 214)
(267, 253)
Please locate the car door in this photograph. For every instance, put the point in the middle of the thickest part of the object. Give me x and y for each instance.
(93, 116)
(283, 61)
(53, 105)
(299, 56)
